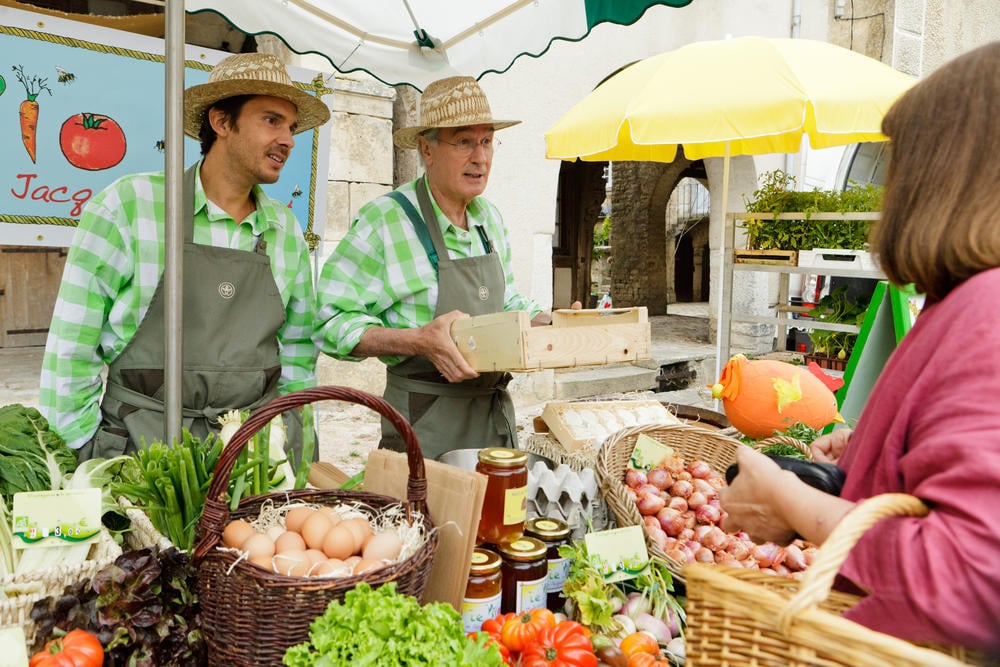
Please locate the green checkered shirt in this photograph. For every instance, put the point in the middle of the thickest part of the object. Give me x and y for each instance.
(380, 274)
(112, 271)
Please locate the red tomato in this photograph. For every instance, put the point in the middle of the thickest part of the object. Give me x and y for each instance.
(78, 648)
(92, 141)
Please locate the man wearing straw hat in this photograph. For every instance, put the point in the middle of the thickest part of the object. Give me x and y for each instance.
(414, 261)
(247, 297)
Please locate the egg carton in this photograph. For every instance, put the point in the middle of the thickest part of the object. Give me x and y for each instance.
(586, 424)
(573, 497)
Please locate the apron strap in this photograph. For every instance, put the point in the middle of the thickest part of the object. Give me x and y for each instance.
(418, 225)
(144, 402)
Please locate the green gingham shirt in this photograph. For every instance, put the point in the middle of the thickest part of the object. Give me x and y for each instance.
(380, 274)
(112, 271)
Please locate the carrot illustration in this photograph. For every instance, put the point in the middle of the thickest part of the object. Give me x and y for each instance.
(33, 87)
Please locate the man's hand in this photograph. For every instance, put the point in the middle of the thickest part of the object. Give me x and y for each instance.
(438, 346)
(829, 447)
(544, 318)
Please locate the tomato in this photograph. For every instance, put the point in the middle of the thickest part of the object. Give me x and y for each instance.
(648, 660)
(78, 648)
(565, 645)
(92, 141)
(639, 642)
(519, 632)
(495, 625)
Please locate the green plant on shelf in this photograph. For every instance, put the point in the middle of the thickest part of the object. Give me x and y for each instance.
(777, 195)
(837, 307)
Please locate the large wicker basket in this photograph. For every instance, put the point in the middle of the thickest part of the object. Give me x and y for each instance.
(742, 617)
(15, 609)
(690, 442)
(251, 615)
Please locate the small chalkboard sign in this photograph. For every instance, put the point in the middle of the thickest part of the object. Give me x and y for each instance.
(890, 315)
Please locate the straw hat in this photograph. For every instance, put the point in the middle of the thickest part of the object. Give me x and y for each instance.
(457, 101)
(251, 74)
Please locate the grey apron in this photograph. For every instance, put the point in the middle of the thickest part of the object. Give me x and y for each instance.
(232, 312)
(471, 414)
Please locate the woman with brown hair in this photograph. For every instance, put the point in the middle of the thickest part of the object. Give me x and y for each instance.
(931, 427)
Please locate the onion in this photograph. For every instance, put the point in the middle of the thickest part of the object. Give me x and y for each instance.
(686, 534)
(635, 604)
(705, 555)
(699, 469)
(768, 554)
(717, 482)
(674, 465)
(671, 521)
(676, 646)
(716, 539)
(678, 503)
(723, 558)
(660, 478)
(654, 626)
(695, 500)
(634, 478)
(682, 488)
(647, 488)
(809, 554)
(708, 514)
(657, 535)
(685, 475)
(693, 547)
(701, 531)
(680, 553)
(650, 503)
(626, 622)
(630, 492)
(704, 487)
(794, 558)
(739, 549)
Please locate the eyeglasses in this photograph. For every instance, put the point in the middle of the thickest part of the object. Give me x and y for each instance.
(468, 146)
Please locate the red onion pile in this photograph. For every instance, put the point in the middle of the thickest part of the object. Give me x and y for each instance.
(681, 513)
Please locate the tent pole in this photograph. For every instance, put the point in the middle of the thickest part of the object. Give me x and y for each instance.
(173, 235)
(725, 292)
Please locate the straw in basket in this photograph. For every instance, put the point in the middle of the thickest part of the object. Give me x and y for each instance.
(689, 442)
(741, 617)
(251, 615)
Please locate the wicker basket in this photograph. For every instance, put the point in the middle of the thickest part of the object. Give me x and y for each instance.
(250, 616)
(690, 442)
(742, 617)
(15, 611)
(784, 440)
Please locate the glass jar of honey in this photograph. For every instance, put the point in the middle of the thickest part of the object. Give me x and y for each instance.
(482, 592)
(523, 575)
(553, 533)
(505, 505)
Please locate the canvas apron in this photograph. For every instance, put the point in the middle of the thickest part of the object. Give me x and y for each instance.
(232, 312)
(445, 416)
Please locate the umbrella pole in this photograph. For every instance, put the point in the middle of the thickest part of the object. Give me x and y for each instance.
(725, 292)
(173, 234)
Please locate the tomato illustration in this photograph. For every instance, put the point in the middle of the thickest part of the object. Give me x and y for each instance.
(92, 141)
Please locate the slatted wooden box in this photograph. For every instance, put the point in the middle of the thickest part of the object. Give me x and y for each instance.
(507, 341)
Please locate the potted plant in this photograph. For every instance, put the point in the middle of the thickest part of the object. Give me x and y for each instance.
(832, 349)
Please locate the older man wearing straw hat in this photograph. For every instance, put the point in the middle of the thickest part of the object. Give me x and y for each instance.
(415, 260)
(248, 296)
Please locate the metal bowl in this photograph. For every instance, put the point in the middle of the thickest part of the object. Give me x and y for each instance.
(468, 458)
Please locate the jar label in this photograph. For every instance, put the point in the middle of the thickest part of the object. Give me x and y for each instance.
(558, 573)
(530, 595)
(477, 610)
(515, 505)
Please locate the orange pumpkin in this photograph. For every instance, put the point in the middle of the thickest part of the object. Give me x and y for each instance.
(763, 396)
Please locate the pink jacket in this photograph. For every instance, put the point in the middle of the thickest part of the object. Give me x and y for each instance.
(931, 428)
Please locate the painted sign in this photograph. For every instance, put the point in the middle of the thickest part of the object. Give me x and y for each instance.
(82, 105)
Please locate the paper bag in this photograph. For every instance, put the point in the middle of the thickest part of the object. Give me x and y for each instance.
(455, 501)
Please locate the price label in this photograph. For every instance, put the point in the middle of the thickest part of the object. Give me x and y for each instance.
(648, 452)
(621, 552)
(56, 518)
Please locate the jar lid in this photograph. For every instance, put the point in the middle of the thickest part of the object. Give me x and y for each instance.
(503, 457)
(524, 549)
(484, 561)
(547, 529)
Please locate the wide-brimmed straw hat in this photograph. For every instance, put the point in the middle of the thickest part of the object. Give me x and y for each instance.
(251, 74)
(457, 101)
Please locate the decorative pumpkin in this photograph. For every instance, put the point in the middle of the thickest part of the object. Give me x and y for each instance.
(763, 396)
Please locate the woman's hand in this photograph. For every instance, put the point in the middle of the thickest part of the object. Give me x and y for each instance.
(751, 500)
(828, 448)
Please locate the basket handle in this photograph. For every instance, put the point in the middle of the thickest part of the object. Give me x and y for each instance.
(818, 577)
(216, 512)
(784, 440)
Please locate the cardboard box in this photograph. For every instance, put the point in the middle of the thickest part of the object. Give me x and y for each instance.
(581, 424)
(507, 341)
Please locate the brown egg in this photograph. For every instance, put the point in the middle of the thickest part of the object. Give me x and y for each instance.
(236, 533)
(316, 555)
(274, 532)
(383, 546)
(258, 545)
(263, 561)
(352, 561)
(362, 529)
(297, 516)
(332, 567)
(315, 529)
(288, 541)
(334, 515)
(294, 563)
(365, 565)
(339, 542)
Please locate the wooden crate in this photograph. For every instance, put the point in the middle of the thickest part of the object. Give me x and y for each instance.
(779, 257)
(507, 341)
(584, 425)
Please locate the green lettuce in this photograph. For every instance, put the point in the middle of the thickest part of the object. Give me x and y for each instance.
(32, 457)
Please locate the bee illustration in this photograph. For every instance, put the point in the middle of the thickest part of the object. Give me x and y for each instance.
(64, 76)
(297, 192)
(161, 145)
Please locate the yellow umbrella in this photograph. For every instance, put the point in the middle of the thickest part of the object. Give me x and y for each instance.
(743, 96)
(751, 94)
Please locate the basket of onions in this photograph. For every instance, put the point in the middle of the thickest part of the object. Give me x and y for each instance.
(676, 501)
(256, 602)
